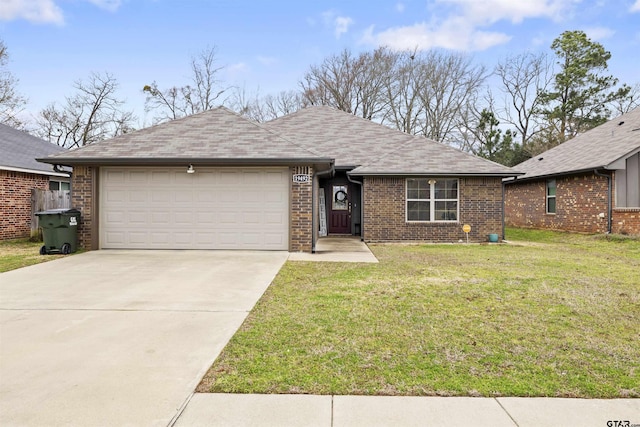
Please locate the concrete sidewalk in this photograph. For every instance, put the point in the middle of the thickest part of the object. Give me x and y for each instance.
(337, 249)
(371, 411)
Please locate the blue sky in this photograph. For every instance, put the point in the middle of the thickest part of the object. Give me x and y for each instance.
(267, 46)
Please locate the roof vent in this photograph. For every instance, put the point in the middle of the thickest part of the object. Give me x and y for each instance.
(540, 158)
(620, 124)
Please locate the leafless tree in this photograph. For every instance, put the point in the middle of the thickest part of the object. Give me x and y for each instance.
(268, 107)
(354, 84)
(523, 77)
(203, 92)
(402, 87)
(630, 102)
(91, 114)
(11, 102)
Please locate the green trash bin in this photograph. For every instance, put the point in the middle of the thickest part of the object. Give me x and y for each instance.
(59, 230)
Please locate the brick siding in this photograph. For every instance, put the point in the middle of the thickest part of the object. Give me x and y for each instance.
(15, 202)
(301, 214)
(581, 204)
(82, 198)
(626, 221)
(480, 205)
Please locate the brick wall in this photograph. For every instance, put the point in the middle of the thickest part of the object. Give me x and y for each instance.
(82, 198)
(626, 221)
(480, 205)
(580, 201)
(301, 227)
(15, 202)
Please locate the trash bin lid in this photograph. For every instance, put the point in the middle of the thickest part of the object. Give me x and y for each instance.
(63, 211)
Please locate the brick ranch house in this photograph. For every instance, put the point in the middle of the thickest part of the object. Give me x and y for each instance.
(216, 180)
(589, 184)
(19, 174)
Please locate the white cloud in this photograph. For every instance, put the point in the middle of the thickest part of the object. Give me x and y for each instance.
(44, 11)
(635, 7)
(465, 24)
(110, 5)
(266, 60)
(340, 24)
(599, 33)
(36, 11)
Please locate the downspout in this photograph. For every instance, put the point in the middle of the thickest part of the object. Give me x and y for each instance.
(314, 208)
(609, 207)
(360, 183)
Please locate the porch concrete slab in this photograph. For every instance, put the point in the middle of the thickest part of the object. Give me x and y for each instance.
(256, 410)
(337, 249)
(547, 412)
(369, 411)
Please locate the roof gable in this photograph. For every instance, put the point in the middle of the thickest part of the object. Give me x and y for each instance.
(20, 150)
(597, 148)
(216, 134)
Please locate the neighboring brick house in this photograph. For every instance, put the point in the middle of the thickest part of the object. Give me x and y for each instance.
(589, 184)
(19, 174)
(216, 180)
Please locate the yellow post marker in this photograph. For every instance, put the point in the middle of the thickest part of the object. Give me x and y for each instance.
(466, 228)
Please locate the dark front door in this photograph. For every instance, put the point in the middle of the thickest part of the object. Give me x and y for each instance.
(340, 210)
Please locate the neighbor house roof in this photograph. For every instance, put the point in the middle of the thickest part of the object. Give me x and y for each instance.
(598, 148)
(375, 149)
(218, 136)
(19, 151)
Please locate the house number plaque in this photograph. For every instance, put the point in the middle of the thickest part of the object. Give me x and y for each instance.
(300, 179)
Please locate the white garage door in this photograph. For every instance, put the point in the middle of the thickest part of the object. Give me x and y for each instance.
(213, 208)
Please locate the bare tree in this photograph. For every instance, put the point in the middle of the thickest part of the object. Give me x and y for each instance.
(354, 84)
(203, 93)
(11, 102)
(628, 103)
(92, 114)
(402, 87)
(524, 77)
(268, 107)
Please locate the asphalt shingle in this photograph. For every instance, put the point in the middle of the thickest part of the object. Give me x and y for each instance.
(594, 149)
(20, 150)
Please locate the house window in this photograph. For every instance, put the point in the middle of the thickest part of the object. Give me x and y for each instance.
(551, 196)
(430, 200)
(59, 185)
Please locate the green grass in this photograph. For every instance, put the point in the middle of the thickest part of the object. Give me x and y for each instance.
(21, 253)
(552, 314)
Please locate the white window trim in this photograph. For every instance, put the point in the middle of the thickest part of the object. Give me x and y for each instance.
(432, 202)
(547, 196)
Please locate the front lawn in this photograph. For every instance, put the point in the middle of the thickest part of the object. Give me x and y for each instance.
(21, 253)
(551, 314)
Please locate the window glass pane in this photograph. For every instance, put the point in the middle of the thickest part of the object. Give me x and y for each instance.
(340, 198)
(65, 186)
(418, 211)
(54, 185)
(447, 189)
(418, 189)
(551, 187)
(446, 211)
(551, 205)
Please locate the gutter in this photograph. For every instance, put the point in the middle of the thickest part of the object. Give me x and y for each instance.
(360, 183)
(36, 172)
(314, 205)
(609, 205)
(179, 161)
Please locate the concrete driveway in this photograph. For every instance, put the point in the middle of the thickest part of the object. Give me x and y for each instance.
(120, 337)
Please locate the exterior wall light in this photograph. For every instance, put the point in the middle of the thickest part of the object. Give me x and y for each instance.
(190, 169)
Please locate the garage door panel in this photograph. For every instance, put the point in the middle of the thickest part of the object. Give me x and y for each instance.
(214, 208)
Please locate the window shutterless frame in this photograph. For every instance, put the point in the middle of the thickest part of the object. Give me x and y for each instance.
(551, 196)
(432, 200)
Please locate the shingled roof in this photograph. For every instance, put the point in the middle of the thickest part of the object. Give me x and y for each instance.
(317, 134)
(216, 135)
(597, 148)
(20, 150)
